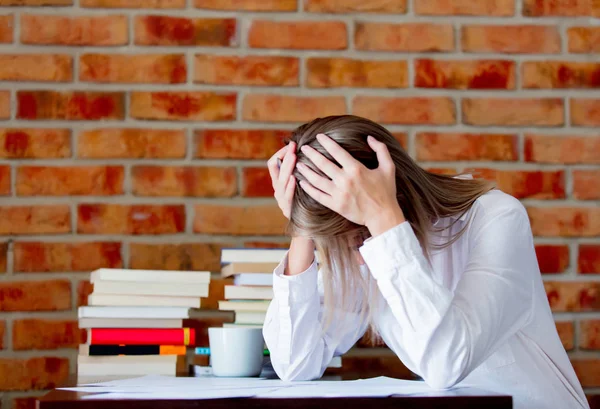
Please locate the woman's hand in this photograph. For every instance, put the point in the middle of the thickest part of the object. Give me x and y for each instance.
(361, 195)
(284, 183)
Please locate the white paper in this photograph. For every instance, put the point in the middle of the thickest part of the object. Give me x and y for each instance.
(208, 387)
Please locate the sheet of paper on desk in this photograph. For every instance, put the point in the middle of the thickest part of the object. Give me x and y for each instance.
(164, 387)
(375, 387)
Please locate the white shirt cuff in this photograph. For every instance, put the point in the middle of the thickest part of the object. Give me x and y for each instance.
(395, 247)
(295, 288)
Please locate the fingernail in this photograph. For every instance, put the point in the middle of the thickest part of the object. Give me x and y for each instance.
(301, 166)
(304, 148)
(370, 138)
(321, 135)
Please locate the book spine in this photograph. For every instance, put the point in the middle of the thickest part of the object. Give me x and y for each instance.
(142, 336)
(109, 350)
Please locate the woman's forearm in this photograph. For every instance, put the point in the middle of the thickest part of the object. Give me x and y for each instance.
(301, 255)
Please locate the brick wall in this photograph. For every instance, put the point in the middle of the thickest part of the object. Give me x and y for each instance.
(134, 133)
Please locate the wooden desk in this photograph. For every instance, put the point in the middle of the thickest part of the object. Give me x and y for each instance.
(459, 399)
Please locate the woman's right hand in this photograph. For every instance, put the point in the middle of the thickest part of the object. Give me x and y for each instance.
(284, 183)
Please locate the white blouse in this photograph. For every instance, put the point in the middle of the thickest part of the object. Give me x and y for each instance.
(476, 316)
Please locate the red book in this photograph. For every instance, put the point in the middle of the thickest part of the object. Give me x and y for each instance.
(142, 336)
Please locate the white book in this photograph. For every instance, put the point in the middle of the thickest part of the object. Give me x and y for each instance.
(156, 276)
(247, 268)
(142, 301)
(129, 323)
(250, 305)
(251, 255)
(253, 279)
(250, 317)
(248, 293)
(134, 312)
(146, 288)
(127, 365)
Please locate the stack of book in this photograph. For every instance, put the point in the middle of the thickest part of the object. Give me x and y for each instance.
(141, 322)
(252, 289)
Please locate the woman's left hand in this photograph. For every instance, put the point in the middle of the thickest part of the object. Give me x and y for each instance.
(361, 195)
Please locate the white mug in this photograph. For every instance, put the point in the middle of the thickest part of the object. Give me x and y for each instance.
(236, 351)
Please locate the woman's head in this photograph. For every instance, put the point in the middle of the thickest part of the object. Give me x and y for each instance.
(422, 196)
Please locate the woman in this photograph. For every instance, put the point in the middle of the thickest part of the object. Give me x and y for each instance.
(442, 269)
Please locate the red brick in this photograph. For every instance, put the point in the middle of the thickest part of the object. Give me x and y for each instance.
(23, 143)
(134, 4)
(588, 371)
(565, 221)
(562, 149)
(355, 6)
(184, 181)
(434, 146)
(552, 258)
(588, 261)
(257, 183)
(513, 39)
(247, 5)
(264, 220)
(585, 112)
(298, 35)
(3, 258)
(442, 171)
(170, 31)
(348, 72)
(24, 403)
(586, 184)
(246, 70)
(193, 105)
(36, 67)
(62, 257)
(181, 256)
(45, 334)
(573, 296)
(407, 110)
(513, 111)
(402, 138)
(590, 334)
(566, 8)
(85, 30)
(69, 180)
(41, 219)
(238, 144)
(462, 74)
(131, 143)
(527, 184)
(560, 74)
(584, 39)
(566, 332)
(70, 105)
(4, 104)
(286, 108)
(499, 8)
(413, 37)
(4, 180)
(36, 3)
(145, 68)
(52, 295)
(7, 23)
(130, 219)
(33, 373)
(84, 289)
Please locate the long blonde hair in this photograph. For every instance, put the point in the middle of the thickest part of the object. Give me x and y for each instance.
(423, 197)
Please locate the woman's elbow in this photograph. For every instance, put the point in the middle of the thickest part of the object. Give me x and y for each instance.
(440, 380)
(302, 371)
